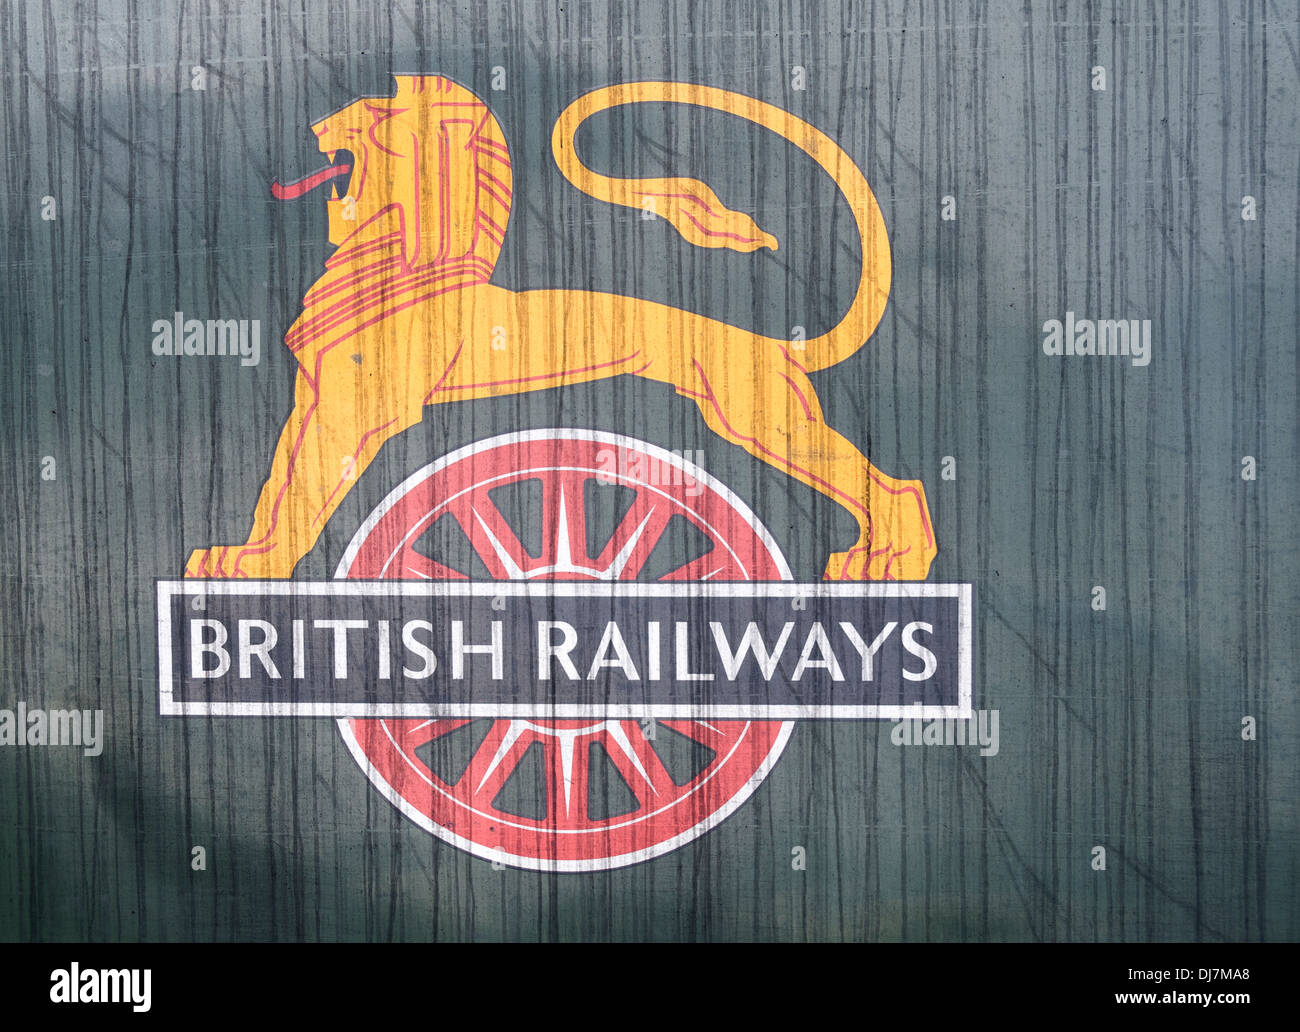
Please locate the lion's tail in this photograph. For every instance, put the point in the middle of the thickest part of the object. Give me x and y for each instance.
(695, 211)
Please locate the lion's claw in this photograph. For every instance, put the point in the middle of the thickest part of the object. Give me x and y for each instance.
(900, 545)
(233, 561)
(888, 564)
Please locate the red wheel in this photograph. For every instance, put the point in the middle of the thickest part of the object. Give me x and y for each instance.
(564, 795)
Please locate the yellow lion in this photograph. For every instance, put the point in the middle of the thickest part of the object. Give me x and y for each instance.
(405, 316)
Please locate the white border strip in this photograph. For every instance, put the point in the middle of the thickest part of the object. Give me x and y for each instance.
(169, 707)
(562, 589)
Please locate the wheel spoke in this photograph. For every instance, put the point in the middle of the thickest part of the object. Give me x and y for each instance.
(495, 760)
(492, 537)
(411, 565)
(635, 537)
(715, 565)
(718, 735)
(406, 731)
(638, 763)
(564, 522)
(567, 788)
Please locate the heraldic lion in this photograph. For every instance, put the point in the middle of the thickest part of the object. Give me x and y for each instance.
(405, 316)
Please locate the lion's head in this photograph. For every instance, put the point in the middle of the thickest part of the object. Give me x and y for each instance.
(433, 158)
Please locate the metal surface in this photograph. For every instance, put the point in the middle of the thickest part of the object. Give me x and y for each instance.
(1119, 727)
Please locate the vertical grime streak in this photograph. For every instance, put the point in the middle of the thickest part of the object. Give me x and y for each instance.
(1190, 294)
(983, 512)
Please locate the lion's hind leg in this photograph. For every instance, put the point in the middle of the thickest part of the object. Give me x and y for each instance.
(770, 409)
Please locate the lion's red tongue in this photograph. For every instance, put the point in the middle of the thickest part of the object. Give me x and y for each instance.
(288, 191)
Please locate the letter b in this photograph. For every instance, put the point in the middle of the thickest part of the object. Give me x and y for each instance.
(215, 647)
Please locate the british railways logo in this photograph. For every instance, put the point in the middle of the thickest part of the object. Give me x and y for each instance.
(514, 655)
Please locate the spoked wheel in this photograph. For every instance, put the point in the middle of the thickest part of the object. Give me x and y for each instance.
(564, 795)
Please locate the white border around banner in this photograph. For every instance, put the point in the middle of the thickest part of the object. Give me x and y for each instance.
(168, 706)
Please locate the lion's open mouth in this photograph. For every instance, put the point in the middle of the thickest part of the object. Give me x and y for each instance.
(290, 191)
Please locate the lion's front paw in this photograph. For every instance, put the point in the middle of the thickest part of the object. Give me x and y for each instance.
(900, 545)
(255, 561)
(888, 564)
(217, 561)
